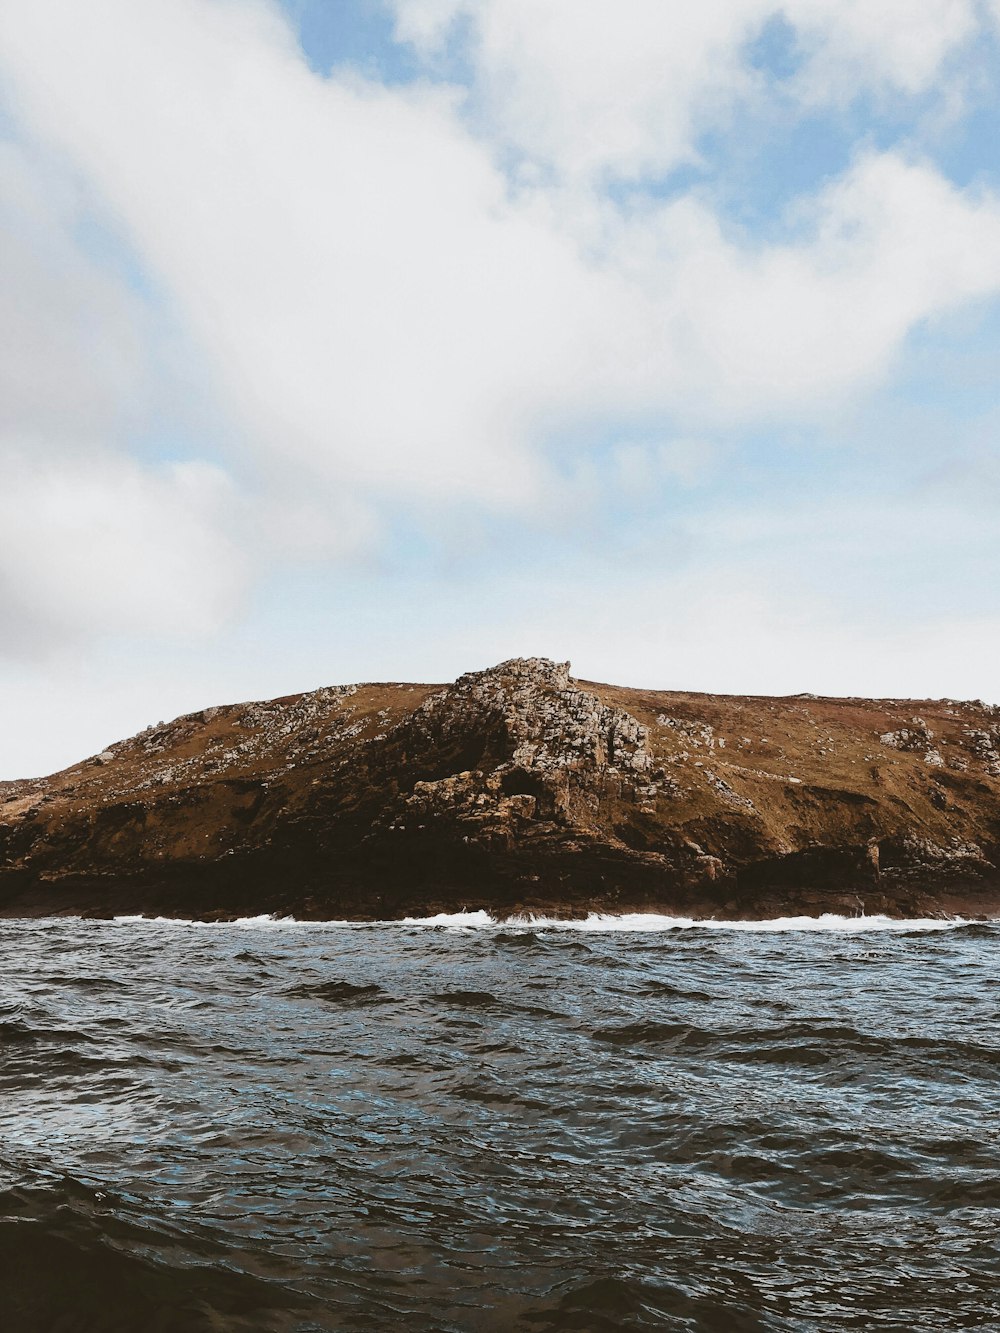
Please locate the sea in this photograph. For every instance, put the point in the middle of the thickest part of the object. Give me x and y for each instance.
(460, 1124)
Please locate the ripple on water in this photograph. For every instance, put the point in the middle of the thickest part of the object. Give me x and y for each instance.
(464, 1125)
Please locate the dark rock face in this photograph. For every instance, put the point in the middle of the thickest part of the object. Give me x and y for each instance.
(520, 789)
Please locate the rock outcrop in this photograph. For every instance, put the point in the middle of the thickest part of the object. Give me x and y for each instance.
(520, 789)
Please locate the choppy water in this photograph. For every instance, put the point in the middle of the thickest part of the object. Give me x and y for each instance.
(475, 1127)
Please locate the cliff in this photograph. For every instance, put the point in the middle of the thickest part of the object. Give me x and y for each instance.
(520, 789)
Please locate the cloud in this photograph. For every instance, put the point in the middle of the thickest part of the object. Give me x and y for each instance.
(624, 90)
(782, 328)
(886, 46)
(94, 543)
(343, 255)
(92, 540)
(597, 88)
(379, 307)
(71, 333)
(425, 298)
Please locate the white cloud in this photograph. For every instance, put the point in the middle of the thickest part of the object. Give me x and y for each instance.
(379, 309)
(624, 88)
(91, 541)
(789, 327)
(595, 87)
(887, 45)
(71, 334)
(344, 255)
(94, 542)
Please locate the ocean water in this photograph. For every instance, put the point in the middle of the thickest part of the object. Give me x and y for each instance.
(462, 1125)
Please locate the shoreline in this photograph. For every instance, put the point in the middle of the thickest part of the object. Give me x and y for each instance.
(640, 921)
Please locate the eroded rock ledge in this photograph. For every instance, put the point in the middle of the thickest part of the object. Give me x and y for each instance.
(521, 789)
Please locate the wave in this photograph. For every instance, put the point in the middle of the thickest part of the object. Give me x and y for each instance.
(91, 1259)
(593, 922)
(264, 921)
(336, 991)
(655, 921)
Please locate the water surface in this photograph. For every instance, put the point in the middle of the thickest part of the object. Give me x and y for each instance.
(468, 1126)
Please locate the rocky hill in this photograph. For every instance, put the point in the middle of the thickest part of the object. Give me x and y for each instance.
(520, 789)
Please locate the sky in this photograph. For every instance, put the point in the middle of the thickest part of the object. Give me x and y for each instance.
(352, 340)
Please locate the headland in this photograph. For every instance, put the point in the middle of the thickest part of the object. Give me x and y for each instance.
(520, 789)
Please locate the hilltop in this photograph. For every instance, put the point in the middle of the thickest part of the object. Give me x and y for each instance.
(520, 789)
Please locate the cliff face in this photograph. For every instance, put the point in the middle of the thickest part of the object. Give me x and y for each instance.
(519, 788)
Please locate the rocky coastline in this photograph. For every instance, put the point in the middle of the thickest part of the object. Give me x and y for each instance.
(520, 790)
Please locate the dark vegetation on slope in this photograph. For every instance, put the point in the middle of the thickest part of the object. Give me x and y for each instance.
(520, 789)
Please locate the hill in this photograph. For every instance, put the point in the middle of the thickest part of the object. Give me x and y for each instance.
(520, 789)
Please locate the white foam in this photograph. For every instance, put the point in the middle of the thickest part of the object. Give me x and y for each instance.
(470, 920)
(265, 921)
(653, 921)
(595, 922)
